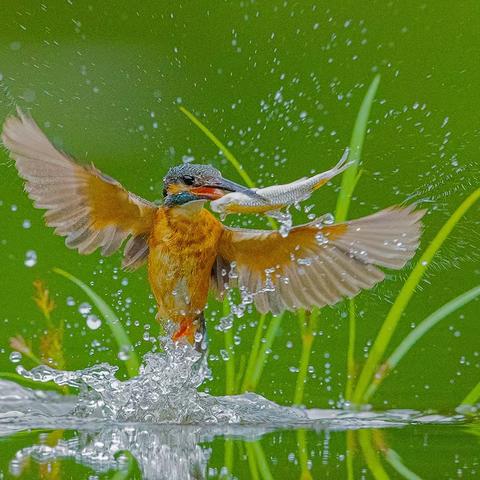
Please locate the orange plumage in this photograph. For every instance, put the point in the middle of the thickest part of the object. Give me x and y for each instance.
(183, 248)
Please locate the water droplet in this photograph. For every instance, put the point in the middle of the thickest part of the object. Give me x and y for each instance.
(15, 357)
(30, 258)
(124, 354)
(84, 308)
(93, 322)
(224, 354)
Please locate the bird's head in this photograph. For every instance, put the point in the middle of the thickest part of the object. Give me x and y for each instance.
(189, 182)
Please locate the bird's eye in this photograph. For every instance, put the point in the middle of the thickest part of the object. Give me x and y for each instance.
(188, 180)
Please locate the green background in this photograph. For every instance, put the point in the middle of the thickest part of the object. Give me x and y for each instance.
(280, 83)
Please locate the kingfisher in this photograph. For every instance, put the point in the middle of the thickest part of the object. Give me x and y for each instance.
(188, 251)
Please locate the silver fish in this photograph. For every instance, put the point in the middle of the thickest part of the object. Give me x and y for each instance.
(276, 197)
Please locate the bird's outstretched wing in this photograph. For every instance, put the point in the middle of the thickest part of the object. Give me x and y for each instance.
(316, 265)
(89, 208)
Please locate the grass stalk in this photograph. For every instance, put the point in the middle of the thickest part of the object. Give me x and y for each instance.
(303, 455)
(394, 459)
(252, 359)
(118, 332)
(371, 457)
(349, 177)
(230, 362)
(349, 181)
(308, 336)
(350, 453)
(415, 335)
(473, 396)
(352, 335)
(229, 455)
(391, 321)
(262, 462)
(240, 372)
(252, 461)
(260, 361)
(226, 152)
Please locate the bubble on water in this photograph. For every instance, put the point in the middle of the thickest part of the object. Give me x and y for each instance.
(15, 357)
(30, 258)
(93, 322)
(84, 308)
(26, 224)
(70, 301)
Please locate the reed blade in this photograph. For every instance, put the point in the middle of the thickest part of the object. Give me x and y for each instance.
(123, 341)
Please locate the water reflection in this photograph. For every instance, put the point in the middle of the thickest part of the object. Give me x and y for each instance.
(160, 452)
(191, 452)
(302, 445)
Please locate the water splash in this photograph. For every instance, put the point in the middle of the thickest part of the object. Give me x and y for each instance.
(165, 391)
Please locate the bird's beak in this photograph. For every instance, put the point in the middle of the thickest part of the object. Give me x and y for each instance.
(221, 187)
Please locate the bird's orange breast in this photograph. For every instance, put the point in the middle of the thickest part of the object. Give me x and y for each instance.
(183, 248)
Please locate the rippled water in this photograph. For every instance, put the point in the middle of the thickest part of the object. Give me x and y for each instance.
(158, 420)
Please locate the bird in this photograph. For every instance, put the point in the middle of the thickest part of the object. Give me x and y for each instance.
(189, 252)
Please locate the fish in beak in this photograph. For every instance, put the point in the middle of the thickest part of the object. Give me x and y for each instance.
(218, 188)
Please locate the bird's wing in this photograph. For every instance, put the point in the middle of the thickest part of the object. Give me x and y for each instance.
(316, 264)
(89, 208)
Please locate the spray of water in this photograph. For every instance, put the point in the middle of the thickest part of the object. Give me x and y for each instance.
(165, 391)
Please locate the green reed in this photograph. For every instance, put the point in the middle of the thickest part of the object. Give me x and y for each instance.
(308, 326)
(119, 334)
(350, 176)
(252, 358)
(394, 459)
(372, 459)
(349, 181)
(226, 152)
(302, 449)
(263, 349)
(473, 396)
